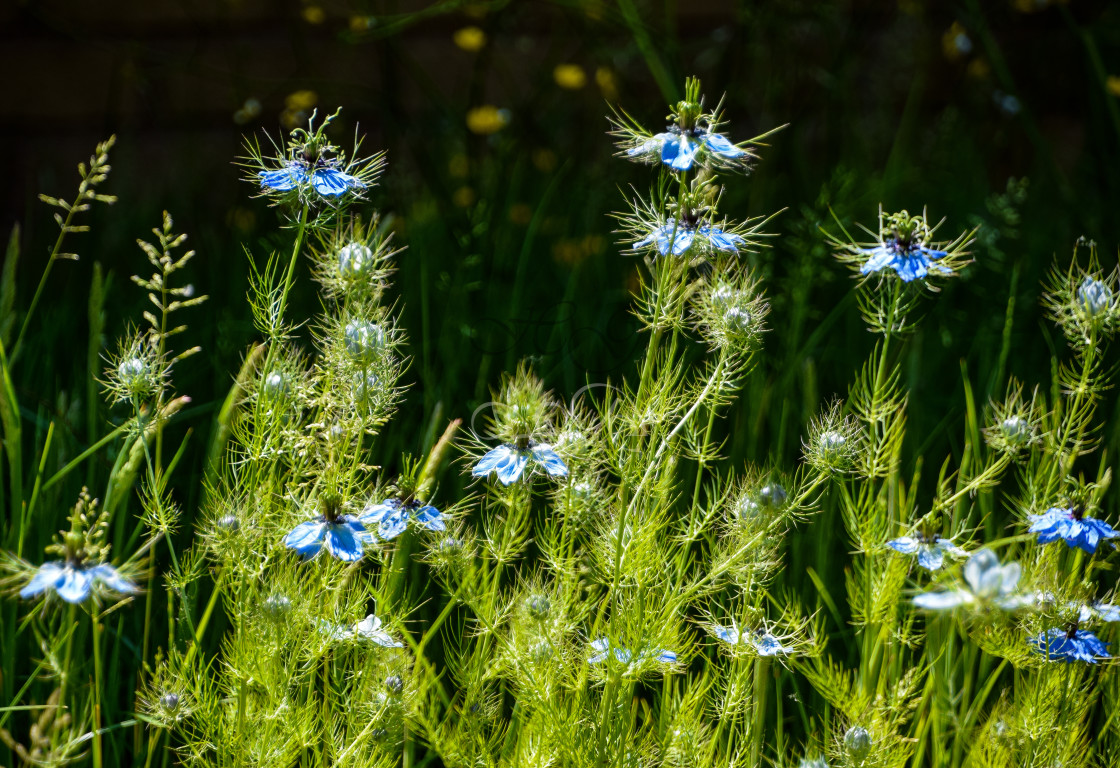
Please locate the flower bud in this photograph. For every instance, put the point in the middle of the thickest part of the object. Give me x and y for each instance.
(355, 260)
(538, 606)
(1094, 297)
(858, 743)
(364, 340)
(169, 702)
(394, 683)
(277, 607)
(229, 523)
(772, 495)
(275, 385)
(1016, 430)
(134, 375)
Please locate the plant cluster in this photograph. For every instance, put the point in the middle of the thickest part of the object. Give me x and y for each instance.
(612, 592)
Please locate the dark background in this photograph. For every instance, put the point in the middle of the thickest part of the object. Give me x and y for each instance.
(510, 247)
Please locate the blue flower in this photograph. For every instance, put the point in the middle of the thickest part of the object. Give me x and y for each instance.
(624, 655)
(73, 582)
(325, 177)
(678, 149)
(392, 517)
(912, 261)
(987, 583)
(1070, 646)
(763, 642)
(368, 628)
(343, 538)
(1069, 524)
(931, 550)
(509, 462)
(677, 237)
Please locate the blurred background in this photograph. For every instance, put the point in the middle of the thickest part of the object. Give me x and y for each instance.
(1002, 115)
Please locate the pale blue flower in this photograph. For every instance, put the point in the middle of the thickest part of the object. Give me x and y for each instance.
(678, 149)
(1069, 646)
(343, 538)
(677, 237)
(911, 261)
(392, 516)
(624, 655)
(74, 583)
(368, 628)
(987, 584)
(763, 642)
(931, 550)
(1069, 524)
(325, 178)
(508, 462)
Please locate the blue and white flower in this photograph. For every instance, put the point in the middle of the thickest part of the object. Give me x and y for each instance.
(343, 538)
(763, 642)
(910, 260)
(679, 149)
(1070, 525)
(323, 175)
(391, 517)
(1094, 297)
(931, 550)
(508, 462)
(75, 582)
(987, 584)
(677, 237)
(624, 655)
(1070, 646)
(368, 628)
(1086, 612)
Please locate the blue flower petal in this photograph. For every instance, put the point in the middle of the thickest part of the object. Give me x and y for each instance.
(430, 518)
(624, 655)
(678, 152)
(722, 146)
(601, 647)
(723, 241)
(907, 545)
(344, 542)
(511, 467)
(668, 657)
(378, 512)
(109, 576)
(490, 461)
(76, 585)
(768, 645)
(307, 538)
(942, 601)
(650, 145)
(550, 461)
(879, 258)
(727, 634)
(931, 558)
(393, 525)
(283, 179)
(331, 182)
(49, 576)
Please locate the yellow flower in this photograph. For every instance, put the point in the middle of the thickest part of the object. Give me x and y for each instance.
(487, 119)
(463, 197)
(298, 100)
(569, 76)
(470, 38)
(608, 86)
(1113, 84)
(313, 14)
